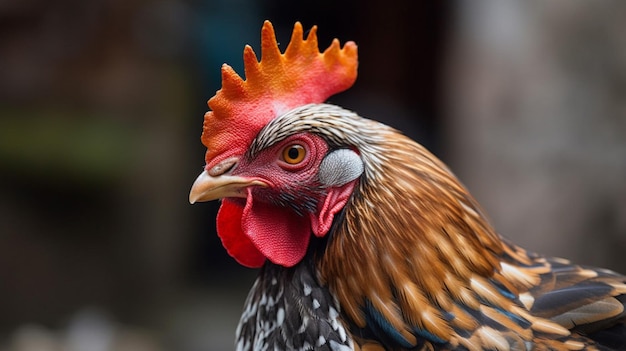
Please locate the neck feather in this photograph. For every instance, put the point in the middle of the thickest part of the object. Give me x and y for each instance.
(413, 240)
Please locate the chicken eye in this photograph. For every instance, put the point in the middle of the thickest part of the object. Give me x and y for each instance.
(294, 154)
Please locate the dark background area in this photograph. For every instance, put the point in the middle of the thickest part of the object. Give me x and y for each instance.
(101, 106)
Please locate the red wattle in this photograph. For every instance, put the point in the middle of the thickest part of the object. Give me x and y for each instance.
(277, 232)
(233, 238)
(258, 230)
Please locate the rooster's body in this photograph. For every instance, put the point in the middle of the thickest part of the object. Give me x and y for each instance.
(365, 239)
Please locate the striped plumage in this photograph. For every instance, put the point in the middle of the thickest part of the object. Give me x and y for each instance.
(393, 253)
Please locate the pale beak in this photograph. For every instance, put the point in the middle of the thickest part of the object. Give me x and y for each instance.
(207, 187)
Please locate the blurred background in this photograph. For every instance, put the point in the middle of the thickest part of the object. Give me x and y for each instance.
(101, 106)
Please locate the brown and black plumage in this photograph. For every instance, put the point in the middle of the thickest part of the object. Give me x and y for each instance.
(366, 241)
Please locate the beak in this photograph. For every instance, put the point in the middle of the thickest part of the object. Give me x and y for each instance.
(207, 187)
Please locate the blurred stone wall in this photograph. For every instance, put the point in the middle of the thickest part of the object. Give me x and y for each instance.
(536, 122)
(94, 106)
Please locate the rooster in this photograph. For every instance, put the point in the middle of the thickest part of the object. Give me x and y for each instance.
(364, 239)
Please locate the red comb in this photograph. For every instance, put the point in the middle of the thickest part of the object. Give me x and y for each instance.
(273, 86)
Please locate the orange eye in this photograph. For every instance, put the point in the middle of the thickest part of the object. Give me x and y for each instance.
(294, 154)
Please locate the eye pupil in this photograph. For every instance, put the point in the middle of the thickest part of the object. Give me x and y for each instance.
(293, 153)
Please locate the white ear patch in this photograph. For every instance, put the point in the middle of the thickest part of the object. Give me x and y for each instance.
(340, 167)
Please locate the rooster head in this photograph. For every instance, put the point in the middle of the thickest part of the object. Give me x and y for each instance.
(278, 189)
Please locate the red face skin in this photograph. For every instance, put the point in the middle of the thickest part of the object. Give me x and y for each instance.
(273, 216)
(281, 177)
